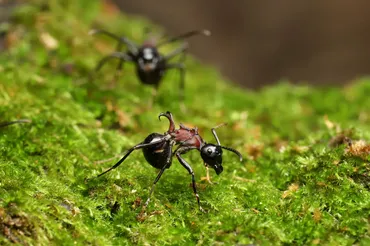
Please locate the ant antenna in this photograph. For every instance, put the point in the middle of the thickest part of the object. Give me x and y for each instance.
(214, 132)
(224, 147)
(234, 151)
(204, 32)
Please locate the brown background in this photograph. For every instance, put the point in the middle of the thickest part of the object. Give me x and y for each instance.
(258, 42)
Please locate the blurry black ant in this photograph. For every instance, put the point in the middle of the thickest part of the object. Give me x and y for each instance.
(8, 123)
(150, 64)
(157, 149)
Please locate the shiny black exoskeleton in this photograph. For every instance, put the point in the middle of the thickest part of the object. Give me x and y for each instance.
(156, 155)
(212, 155)
(150, 64)
(158, 151)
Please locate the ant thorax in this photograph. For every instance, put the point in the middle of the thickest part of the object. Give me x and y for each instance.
(148, 54)
(148, 58)
(187, 137)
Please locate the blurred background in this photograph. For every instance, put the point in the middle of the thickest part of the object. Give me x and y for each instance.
(258, 42)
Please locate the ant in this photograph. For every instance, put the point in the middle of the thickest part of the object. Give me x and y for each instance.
(157, 149)
(7, 123)
(150, 64)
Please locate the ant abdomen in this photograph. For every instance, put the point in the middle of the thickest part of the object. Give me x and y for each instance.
(157, 154)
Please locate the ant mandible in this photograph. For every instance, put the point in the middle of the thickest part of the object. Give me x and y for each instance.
(157, 149)
(150, 64)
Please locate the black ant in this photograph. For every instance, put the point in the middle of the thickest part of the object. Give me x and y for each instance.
(7, 123)
(150, 64)
(157, 149)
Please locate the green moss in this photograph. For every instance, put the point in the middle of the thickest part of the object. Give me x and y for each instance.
(292, 188)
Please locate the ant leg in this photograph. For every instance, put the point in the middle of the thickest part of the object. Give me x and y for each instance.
(168, 162)
(120, 63)
(130, 45)
(181, 50)
(106, 160)
(138, 146)
(122, 56)
(3, 124)
(153, 185)
(208, 178)
(183, 150)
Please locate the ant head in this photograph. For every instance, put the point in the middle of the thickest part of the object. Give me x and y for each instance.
(148, 58)
(212, 156)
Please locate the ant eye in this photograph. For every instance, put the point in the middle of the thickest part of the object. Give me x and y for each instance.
(209, 151)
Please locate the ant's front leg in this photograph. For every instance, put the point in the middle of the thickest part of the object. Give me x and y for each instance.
(183, 150)
(208, 178)
(133, 48)
(119, 65)
(123, 57)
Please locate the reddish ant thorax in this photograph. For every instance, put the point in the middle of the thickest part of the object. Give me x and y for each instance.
(187, 136)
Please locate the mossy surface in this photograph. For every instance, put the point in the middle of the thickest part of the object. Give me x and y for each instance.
(298, 184)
